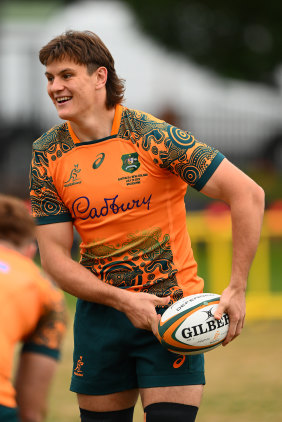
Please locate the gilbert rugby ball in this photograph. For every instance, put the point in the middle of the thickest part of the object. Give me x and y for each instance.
(188, 326)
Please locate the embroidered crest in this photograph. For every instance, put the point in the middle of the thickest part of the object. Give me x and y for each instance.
(130, 162)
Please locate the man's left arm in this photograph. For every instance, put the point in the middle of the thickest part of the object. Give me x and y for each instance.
(246, 201)
(41, 350)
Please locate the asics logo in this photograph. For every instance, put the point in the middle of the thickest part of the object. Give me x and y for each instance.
(98, 161)
(179, 361)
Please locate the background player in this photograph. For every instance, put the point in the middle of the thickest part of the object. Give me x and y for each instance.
(32, 312)
(120, 176)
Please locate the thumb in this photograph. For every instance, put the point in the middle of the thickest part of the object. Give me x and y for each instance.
(162, 301)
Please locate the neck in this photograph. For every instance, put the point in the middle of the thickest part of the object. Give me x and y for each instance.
(94, 127)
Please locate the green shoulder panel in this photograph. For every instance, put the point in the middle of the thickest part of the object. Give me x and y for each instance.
(45, 200)
(171, 148)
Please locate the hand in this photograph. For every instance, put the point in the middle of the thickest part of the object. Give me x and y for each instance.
(140, 308)
(233, 303)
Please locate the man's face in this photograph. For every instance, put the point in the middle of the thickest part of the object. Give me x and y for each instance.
(72, 89)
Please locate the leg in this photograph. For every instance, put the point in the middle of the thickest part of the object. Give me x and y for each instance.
(171, 385)
(104, 376)
(117, 407)
(171, 404)
(108, 402)
(185, 394)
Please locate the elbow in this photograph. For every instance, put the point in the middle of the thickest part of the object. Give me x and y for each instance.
(259, 197)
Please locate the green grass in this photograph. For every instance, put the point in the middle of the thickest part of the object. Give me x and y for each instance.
(243, 379)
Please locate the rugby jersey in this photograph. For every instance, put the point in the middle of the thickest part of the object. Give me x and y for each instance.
(32, 312)
(125, 196)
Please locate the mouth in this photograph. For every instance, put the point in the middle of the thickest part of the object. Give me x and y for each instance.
(62, 100)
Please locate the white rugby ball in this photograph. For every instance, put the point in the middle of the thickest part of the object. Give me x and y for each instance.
(188, 326)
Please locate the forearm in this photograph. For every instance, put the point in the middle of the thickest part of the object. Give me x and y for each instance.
(247, 216)
(75, 279)
(33, 379)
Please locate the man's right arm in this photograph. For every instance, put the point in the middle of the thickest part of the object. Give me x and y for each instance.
(55, 242)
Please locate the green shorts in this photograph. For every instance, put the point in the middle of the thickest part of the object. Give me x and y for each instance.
(111, 355)
(9, 414)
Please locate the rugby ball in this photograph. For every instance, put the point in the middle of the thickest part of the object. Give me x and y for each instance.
(188, 326)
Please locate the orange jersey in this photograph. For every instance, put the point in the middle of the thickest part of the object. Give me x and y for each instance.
(32, 312)
(125, 196)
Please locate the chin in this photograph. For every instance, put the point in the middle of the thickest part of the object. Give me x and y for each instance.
(64, 115)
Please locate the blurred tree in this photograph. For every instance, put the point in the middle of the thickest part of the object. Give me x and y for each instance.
(238, 39)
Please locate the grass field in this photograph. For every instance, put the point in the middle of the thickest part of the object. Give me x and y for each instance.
(244, 380)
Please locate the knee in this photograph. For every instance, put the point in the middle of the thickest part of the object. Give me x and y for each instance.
(170, 412)
(125, 415)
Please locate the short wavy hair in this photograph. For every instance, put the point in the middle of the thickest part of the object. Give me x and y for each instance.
(17, 226)
(86, 48)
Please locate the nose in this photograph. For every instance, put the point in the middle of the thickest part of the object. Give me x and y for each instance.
(56, 85)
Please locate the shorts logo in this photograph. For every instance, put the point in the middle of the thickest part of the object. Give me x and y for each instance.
(98, 161)
(179, 361)
(73, 179)
(77, 370)
(130, 162)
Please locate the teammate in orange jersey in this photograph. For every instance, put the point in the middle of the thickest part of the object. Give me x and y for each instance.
(119, 176)
(32, 312)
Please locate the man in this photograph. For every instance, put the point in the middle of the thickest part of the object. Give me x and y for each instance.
(32, 312)
(119, 176)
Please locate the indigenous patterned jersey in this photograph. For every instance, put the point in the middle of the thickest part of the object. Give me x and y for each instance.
(32, 312)
(125, 196)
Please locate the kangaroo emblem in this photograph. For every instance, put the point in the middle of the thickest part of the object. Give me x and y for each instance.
(78, 370)
(74, 173)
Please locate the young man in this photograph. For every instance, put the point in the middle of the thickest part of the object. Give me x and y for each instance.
(119, 176)
(32, 312)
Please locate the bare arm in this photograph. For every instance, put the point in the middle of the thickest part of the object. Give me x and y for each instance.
(55, 242)
(246, 201)
(34, 375)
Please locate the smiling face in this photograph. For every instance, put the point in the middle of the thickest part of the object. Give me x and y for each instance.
(74, 92)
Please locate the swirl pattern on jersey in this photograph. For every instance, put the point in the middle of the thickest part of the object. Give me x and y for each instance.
(143, 263)
(50, 146)
(171, 148)
(51, 327)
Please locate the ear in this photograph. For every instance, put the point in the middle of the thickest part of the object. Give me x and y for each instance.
(101, 77)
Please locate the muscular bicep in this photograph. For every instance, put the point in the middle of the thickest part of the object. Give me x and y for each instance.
(54, 240)
(228, 183)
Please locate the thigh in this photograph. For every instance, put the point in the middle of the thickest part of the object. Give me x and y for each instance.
(109, 402)
(185, 394)
(157, 367)
(101, 363)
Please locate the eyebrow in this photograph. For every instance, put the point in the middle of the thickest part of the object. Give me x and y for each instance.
(68, 69)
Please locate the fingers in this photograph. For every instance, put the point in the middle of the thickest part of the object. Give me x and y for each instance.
(236, 322)
(219, 312)
(235, 328)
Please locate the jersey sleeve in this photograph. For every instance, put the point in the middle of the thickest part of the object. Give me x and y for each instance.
(47, 206)
(180, 153)
(48, 334)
